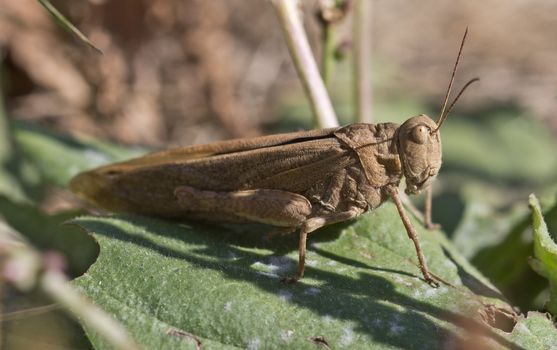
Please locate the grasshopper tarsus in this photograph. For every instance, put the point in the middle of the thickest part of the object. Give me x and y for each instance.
(432, 282)
(432, 226)
(428, 277)
(290, 280)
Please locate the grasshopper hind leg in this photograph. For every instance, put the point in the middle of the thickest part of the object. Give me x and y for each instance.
(272, 207)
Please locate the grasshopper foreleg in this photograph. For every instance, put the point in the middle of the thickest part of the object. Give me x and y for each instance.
(413, 235)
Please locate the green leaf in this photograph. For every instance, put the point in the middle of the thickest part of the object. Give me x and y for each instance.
(534, 324)
(507, 147)
(174, 284)
(66, 24)
(545, 253)
(45, 157)
(59, 157)
(487, 231)
(30, 319)
(47, 232)
(10, 186)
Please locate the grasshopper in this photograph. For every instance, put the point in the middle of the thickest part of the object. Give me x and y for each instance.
(301, 180)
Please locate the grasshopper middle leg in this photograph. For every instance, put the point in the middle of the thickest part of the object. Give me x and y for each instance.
(273, 207)
(428, 223)
(311, 225)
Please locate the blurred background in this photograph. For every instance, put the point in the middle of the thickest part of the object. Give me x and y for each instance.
(181, 72)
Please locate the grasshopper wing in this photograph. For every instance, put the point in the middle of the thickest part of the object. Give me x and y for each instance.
(290, 162)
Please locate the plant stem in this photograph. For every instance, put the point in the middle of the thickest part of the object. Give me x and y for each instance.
(327, 57)
(56, 285)
(10, 161)
(362, 61)
(296, 39)
(67, 25)
(25, 268)
(6, 146)
(1, 313)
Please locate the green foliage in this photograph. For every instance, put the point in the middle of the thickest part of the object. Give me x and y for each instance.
(47, 232)
(9, 182)
(527, 327)
(52, 158)
(59, 157)
(507, 146)
(544, 261)
(40, 158)
(499, 243)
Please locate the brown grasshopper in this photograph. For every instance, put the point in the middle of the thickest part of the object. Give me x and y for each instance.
(301, 180)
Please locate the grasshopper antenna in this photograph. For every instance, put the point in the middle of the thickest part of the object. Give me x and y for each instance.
(443, 115)
(470, 82)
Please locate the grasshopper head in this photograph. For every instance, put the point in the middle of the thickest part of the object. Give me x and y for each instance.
(419, 142)
(419, 147)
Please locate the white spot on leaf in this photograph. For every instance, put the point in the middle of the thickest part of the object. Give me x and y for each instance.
(254, 344)
(311, 263)
(347, 337)
(312, 291)
(400, 280)
(395, 327)
(286, 335)
(279, 264)
(285, 295)
(258, 265)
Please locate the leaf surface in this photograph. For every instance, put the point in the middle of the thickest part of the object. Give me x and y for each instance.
(545, 253)
(220, 286)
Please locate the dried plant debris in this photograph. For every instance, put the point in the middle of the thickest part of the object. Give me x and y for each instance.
(183, 72)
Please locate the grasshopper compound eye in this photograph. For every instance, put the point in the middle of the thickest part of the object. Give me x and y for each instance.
(420, 134)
